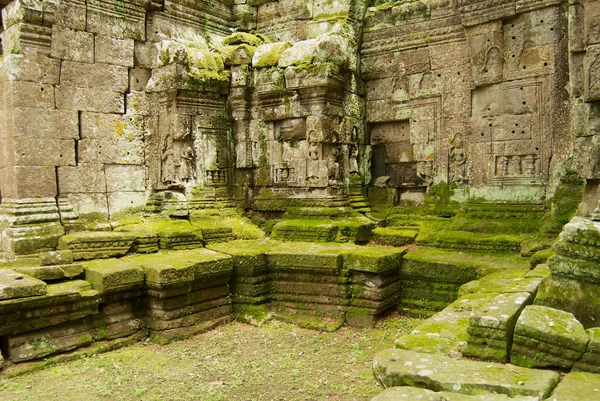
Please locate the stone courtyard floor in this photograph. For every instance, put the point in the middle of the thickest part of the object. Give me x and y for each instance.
(276, 361)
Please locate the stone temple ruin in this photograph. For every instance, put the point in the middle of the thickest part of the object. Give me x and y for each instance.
(169, 165)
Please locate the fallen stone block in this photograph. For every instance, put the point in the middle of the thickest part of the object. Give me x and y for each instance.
(17, 285)
(547, 337)
(395, 367)
(54, 272)
(413, 394)
(491, 326)
(590, 361)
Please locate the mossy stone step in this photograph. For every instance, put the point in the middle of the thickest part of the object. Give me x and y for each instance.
(547, 337)
(446, 331)
(505, 281)
(113, 275)
(421, 394)
(577, 386)
(437, 237)
(97, 244)
(394, 236)
(396, 367)
(18, 285)
(178, 268)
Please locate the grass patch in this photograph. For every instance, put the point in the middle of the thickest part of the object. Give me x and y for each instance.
(233, 362)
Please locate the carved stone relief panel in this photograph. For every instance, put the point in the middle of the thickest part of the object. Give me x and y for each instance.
(513, 117)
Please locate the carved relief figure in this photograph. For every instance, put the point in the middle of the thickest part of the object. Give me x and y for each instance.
(425, 172)
(168, 161)
(529, 165)
(514, 165)
(333, 165)
(353, 160)
(187, 170)
(458, 159)
(504, 165)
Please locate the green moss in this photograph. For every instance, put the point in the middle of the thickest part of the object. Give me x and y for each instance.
(237, 38)
(269, 55)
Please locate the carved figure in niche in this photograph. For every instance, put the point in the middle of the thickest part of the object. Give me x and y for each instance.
(333, 165)
(168, 161)
(514, 165)
(504, 166)
(313, 147)
(458, 158)
(529, 165)
(314, 155)
(353, 160)
(187, 169)
(425, 172)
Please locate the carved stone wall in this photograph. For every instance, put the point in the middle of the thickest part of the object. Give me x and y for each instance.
(481, 85)
(306, 99)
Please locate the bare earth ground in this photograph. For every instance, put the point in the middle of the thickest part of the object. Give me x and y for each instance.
(237, 361)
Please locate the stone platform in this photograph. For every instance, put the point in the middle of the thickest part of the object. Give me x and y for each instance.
(173, 294)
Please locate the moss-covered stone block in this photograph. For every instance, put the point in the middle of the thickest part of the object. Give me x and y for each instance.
(17, 285)
(546, 337)
(176, 268)
(446, 331)
(577, 386)
(307, 255)
(491, 326)
(238, 38)
(575, 296)
(396, 367)
(113, 275)
(505, 281)
(373, 259)
(97, 244)
(590, 361)
(268, 55)
(52, 273)
(394, 236)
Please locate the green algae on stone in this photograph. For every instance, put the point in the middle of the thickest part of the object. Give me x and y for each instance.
(396, 367)
(53, 272)
(97, 244)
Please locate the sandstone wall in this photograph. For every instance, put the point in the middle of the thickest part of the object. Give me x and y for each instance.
(470, 92)
(107, 103)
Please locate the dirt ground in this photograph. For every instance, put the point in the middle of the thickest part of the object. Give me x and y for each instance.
(276, 361)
